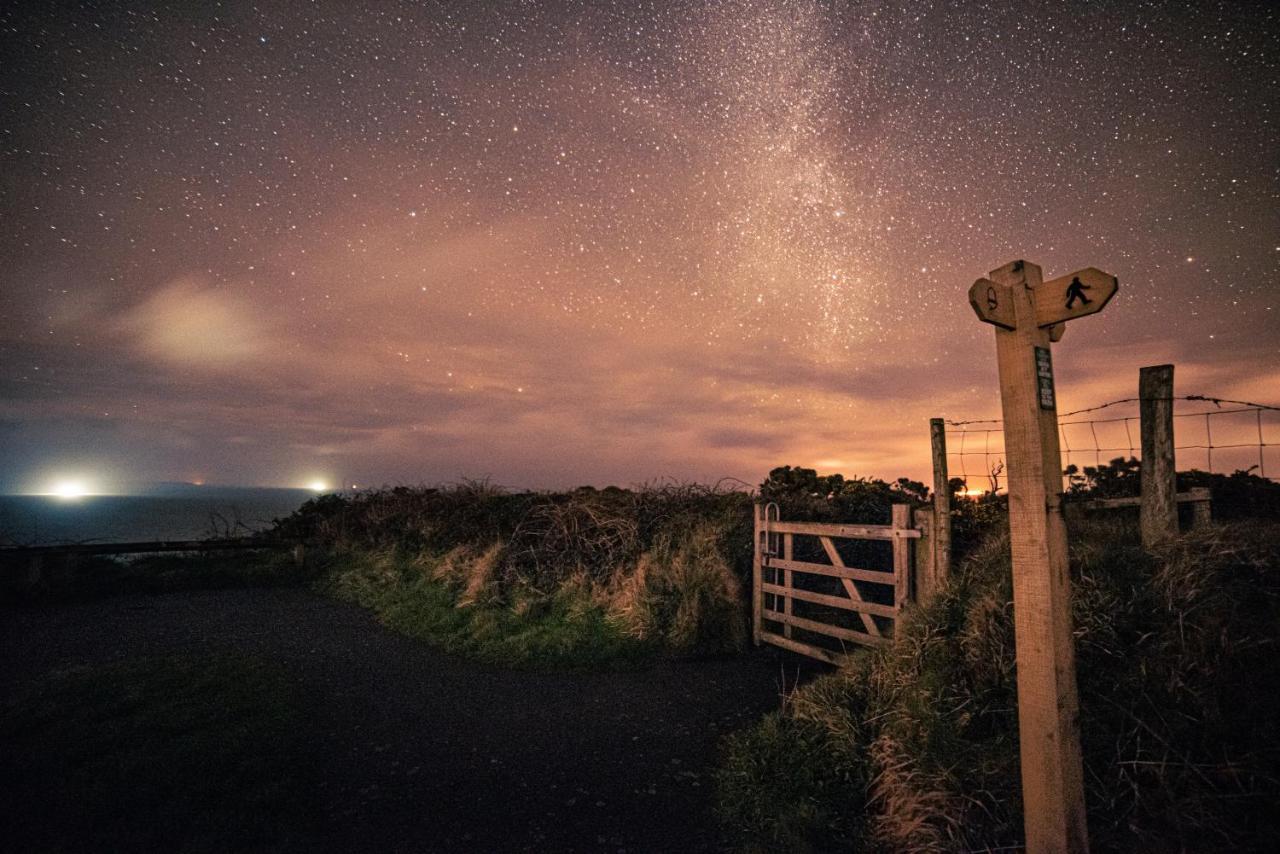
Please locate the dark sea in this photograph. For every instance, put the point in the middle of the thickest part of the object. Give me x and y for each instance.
(207, 512)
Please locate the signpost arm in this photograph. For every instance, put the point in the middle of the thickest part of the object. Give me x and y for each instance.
(1048, 705)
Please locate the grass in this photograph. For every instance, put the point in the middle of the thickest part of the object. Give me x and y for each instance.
(564, 629)
(915, 748)
(588, 578)
(178, 754)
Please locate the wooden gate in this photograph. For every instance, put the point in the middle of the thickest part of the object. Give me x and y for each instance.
(818, 608)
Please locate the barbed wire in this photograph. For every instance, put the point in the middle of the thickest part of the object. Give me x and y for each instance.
(1095, 446)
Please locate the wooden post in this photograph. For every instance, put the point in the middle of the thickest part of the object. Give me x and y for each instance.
(941, 530)
(901, 557)
(757, 578)
(1048, 703)
(1201, 513)
(1159, 510)
(925, 570)
(788, 577)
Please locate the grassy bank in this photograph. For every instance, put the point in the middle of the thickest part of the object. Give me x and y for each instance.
(582, 578)
(915, 748)
(196, 753)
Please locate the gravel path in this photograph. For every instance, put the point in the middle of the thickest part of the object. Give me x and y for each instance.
(424, 751)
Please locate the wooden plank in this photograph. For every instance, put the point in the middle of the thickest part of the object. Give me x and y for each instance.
(757, 576)
(1158, 516)
(836, 658)
(833, 601)
(941, 528)
(848, 532)
(868, 575)
(849, 587)
(838, 632)
(1190, 496)
(901, 558)
(1048, 702)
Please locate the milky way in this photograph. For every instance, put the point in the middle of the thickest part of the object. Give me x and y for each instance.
(560, 243)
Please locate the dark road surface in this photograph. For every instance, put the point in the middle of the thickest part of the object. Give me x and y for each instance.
(422, 751)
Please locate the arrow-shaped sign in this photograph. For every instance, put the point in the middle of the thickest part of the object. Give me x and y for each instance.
(1083, 292)
(993, 303)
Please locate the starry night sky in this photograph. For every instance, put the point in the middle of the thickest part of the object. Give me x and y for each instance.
(564, 243)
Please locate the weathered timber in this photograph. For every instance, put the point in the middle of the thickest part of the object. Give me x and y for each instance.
(851, 532)
(1158, 516)
(901, 557)
(941, 529)
(838, 632)
(836, 658)
(925, 582)
(870, 576)
(1195, 495)
(841, 602)
(849, 587)
(1048, 703)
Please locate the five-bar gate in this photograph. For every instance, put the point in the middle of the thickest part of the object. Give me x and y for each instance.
(807, 599)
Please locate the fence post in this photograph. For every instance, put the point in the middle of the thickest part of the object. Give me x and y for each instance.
(927, 580)
(1159, 511)
(901, 556)
(1201, 512)
(757, 577)
(941, 518)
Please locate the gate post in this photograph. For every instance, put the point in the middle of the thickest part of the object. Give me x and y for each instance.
(925, 570)
(901, 557)
(757, 575)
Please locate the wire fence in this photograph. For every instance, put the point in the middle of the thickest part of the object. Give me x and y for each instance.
(1230, 437)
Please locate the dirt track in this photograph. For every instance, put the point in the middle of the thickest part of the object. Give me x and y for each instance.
(420, 750)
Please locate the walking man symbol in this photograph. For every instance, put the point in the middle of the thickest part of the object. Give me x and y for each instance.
(1075, 291)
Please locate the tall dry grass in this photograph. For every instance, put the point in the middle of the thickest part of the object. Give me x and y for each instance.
(663, 565)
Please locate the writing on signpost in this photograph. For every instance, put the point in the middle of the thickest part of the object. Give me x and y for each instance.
(1044, 378)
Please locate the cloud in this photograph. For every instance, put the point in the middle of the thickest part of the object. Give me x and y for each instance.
(191, 324)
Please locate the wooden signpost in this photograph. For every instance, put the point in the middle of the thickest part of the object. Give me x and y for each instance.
(1029, 314)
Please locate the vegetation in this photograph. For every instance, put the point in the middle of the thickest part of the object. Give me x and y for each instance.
(198, 753)
(915, 748)
(1240, 495)
(85, 577)
(583, 578)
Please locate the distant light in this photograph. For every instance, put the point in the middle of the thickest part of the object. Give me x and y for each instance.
(69, 490)
(318, 486)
